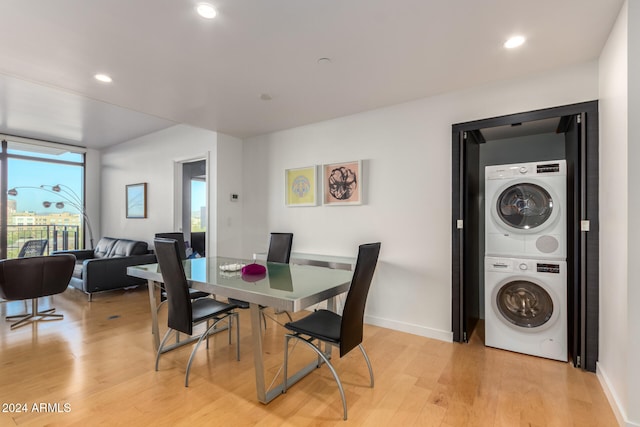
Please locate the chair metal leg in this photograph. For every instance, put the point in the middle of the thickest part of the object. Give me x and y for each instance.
(34, 316)
(236, 315)
(159, 306)
(286, 363)
(208, 326)
(366, 359)
(324, 358)
(211, 327)
(205, 335)
(288, 315)
(264, 318)
(162, 343)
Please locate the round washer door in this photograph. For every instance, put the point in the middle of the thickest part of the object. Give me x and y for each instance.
(525, 207)
(524, 304)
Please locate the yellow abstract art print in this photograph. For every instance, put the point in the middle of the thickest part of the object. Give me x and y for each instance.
(301, 186)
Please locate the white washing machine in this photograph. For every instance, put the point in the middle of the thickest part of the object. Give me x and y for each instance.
(525, 210)
(526, 306)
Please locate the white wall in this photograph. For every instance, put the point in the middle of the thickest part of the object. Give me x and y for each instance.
(151, 159)
(633, 151)
(407, 154)
(617, 171)
(228, 173)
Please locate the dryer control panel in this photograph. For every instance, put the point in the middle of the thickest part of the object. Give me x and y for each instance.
(548, 168)
(548, 268)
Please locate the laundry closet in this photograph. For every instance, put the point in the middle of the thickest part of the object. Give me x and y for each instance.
(523, 277)
(523, 247)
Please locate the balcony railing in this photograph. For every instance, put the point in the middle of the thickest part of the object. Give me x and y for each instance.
(60, 237)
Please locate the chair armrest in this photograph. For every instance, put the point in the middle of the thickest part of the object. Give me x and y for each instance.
(111, 273)
(80, 254)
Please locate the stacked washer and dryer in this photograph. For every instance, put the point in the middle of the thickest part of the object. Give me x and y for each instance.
(525, 258)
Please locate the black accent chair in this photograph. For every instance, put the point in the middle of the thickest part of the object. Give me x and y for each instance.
(184, 313)
(182, 250)
(343, 331)
(33, 248)
(279, 251)
(32, 278)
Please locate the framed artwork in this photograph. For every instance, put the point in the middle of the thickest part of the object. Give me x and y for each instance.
(301, 186)
(342, 183)
(137, 200)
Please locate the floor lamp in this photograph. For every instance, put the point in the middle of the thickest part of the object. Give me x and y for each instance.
(69, 198)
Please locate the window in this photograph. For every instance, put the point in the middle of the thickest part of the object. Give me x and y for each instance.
(42, 195)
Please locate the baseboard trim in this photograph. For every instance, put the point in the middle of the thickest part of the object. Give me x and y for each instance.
(612, 397)
(410, 328)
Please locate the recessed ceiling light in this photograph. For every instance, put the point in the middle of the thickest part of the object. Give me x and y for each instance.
(206, 11)
(324, 61)
(514, 42)
(104, 78)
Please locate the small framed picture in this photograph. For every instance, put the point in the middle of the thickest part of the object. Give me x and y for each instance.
(137, 200)
(301, 186)
(342, 183)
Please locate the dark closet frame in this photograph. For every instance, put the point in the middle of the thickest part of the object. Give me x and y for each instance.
(579, 123)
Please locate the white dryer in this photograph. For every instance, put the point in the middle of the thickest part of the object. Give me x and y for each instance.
(525, 210)
(526, 306)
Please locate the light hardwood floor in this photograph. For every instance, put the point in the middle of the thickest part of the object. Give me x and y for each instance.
(99, 362)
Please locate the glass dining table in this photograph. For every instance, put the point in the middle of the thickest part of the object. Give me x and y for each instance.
(288, 287)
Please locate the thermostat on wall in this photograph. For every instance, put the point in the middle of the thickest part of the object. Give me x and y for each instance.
(234, 197)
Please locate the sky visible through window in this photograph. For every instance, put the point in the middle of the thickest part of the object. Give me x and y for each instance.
(26, 173)
(198, 194)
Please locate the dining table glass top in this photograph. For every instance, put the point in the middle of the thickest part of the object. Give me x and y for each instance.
(288, 287)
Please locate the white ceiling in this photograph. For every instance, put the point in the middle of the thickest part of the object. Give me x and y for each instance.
(171, 66)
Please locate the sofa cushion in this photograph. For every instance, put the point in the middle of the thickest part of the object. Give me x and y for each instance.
(124, 247)
(104, 247)
(77, 270)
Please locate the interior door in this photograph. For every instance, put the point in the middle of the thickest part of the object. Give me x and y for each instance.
(571, 130)
(582, 238)
(466, 244)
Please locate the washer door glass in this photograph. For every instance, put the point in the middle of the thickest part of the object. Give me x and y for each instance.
(524, 206)
(524, 304)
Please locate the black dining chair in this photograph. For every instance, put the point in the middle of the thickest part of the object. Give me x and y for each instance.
(279, 251)
(34, 277)
(182, 250)
(343, 331)
(185, 313)
(280, 247)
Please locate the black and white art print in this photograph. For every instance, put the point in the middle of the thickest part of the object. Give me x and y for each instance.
(342, 183)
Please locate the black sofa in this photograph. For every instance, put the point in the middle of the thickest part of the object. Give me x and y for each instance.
(105, 267)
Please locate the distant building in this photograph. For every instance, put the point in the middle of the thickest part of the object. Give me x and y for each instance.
(32, 218)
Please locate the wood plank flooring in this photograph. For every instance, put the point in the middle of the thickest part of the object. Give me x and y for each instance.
(96, 368)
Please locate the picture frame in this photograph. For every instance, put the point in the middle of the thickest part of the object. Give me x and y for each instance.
(136, 200)
(342, 183)
(301, 186)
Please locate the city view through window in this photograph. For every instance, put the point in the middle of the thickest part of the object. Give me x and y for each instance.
(44, 201)
(198, 205)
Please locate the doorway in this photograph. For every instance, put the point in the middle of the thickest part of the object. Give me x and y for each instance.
(194, 205)
(569, 133)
